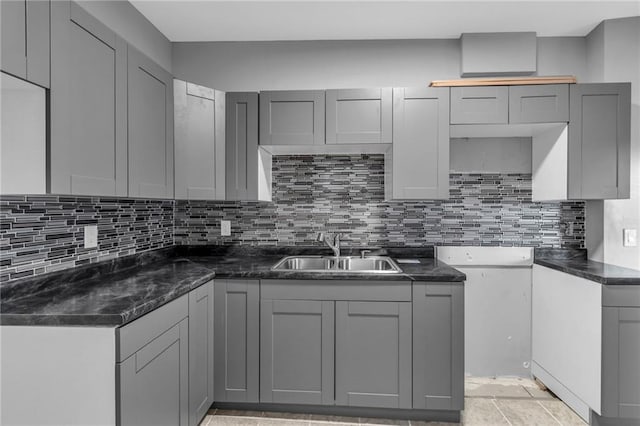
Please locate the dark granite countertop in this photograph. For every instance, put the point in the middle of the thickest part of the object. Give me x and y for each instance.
(116, 292)
(576, 263)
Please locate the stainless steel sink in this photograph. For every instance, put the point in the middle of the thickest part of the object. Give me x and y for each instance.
(344, 264)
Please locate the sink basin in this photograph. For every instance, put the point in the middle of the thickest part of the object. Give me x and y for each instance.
(344, 264)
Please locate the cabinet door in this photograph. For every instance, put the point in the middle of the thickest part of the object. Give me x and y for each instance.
(200, 352)
(438, 346)
(199, 143)
(38, 41)
(373, 354)
(359, 116)
(420, 160)
(237, 340)
(150, 124)
(14, 49)
(480, 105)
(599, 140)
(292, 117)
(620, 355)
(241, 146)
(296, 351)
(88, 105)
(154, 381)
(544, 103)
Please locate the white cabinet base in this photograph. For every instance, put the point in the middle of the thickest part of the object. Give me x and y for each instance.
(564, 393)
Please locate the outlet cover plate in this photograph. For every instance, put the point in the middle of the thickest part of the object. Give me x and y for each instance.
(629, 237)
(225, 228)
(91, 236)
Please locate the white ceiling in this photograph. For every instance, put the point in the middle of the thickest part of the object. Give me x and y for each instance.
(239, 20)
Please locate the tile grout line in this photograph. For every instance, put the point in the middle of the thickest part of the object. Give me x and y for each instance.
(493, 401)
(550, 413)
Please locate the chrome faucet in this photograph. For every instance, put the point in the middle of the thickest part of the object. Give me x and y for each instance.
(335, 246)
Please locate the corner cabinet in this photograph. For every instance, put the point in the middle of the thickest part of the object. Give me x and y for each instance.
(237, 331)
(199, 142)
(599, 150)
(88, 154)
(25, 39)
(150, 128)
(420, 158)
(438, 346)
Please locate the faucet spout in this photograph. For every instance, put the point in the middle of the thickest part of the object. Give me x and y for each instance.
(335, 245)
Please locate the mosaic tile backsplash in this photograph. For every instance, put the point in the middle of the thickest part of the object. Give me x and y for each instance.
(40, 234)
(345, 193)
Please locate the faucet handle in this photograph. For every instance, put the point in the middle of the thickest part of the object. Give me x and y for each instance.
(364, 253)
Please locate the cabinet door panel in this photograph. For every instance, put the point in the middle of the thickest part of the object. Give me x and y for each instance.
(200, 352)
(292, 117)
(237, 303)
(359, 116)
(420, 158)
(150, 122)
(153, 382)
(599, 141)
(544, 103)
(296, 358)
(199, 152)
(88, 105)
(241, 146)
(373, 354)
(438, 346)
(480, 105)
(13, 31)
(38, 41)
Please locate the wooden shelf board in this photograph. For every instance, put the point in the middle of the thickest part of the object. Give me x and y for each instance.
(504, 81)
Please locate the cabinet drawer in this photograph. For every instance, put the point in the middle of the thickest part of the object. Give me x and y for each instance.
(357, 290)
(539, 103)
(133, 336)
(480, 105)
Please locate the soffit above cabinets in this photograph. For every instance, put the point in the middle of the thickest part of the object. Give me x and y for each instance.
(183, 21)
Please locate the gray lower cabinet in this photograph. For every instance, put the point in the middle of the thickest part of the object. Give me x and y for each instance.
(296, 351)
(199, 115)
(599, 141)
(542, 103)
(292, 117)
(420, 160)
(150, 128)
(201, 356)
(88, 152)
(359, 116)
(373, 354)
(438, 346)
(152, 370)
(236, 348)
(480, 105)
(620, 360)
(25, 39)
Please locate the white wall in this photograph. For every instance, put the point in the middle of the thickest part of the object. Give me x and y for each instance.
(131, 25)
(614, 56)
(254, 66)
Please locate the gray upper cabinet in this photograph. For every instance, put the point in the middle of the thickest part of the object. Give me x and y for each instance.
(480, 105)
(200, 352)
(153, 368)
(292, 117)
(438, 346)
(199, 142)
(236, 347)
(296, 351)
(599, 141)
(26, 39)
(420, 160)
(359, 116)
(373, 354)
(241, 146)
(88, 153)
(545, 103)
(150, 126)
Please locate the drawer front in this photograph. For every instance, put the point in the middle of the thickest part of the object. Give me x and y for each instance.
(539, 104)
(480, 105)
(133, 336)
(356, 290)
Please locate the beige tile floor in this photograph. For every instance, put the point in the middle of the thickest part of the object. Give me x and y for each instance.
(488, 402)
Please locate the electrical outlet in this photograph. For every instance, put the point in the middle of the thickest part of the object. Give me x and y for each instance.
(569, 231)
(91, 236)
(629, 237)
(225, 228)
